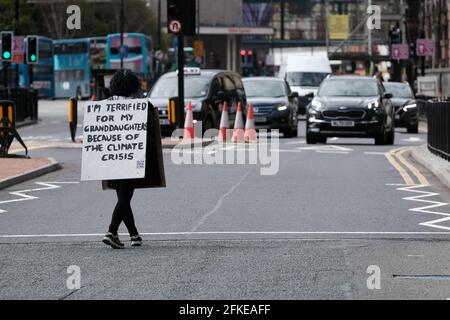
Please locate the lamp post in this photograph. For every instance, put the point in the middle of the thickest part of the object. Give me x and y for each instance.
(121, 32)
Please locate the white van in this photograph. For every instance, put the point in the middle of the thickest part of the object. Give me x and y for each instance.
(305, 74)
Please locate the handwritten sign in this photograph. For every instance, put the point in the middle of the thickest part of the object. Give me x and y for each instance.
(114, 140)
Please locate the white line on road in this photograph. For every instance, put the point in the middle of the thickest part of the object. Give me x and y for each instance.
(193, 233)
(23, 196)
(219, 202)
(375, 153)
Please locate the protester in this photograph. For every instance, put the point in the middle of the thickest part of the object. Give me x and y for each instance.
(124, 85)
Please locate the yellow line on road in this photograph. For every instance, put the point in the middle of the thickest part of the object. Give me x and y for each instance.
(411, 167)
(390, 156)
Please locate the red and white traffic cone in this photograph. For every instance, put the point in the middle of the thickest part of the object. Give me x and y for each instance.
(224, 124)
(238, 131)
(250, 129)
(189, 123)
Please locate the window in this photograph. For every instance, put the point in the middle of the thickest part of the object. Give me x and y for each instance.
(71, 48)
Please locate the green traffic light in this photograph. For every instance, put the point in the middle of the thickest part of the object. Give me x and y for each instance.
(33, 58)
(6, 55)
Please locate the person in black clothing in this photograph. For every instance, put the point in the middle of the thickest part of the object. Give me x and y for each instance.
(124, 85)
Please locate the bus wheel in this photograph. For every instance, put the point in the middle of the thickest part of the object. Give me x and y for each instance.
(79, 94)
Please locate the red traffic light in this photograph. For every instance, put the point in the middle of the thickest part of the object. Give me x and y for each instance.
(243, 52)
(250, 52)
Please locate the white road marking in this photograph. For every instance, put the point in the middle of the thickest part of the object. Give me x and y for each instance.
(431, 205)
(295, 142)
(193, 233)
(327, 149)
(375, 153)
(23, 196)
(413, 139)
(219, 202)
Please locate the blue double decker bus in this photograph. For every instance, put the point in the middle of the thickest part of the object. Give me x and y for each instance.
(74, 61)
(137, 53)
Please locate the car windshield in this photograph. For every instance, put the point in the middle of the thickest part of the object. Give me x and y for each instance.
(194, 87)
(264, 88)
(305, 79)
(399, 90)
(348, 88)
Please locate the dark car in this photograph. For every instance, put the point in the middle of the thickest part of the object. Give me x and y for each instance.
(405, 104)
(274, 104)
(351, 106)
(206, 89)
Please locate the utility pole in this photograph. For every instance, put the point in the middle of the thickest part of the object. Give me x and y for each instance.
(122, 23)
(16, 32)
(327, 33)
(282, 17)
(369, 44)
(159, 26)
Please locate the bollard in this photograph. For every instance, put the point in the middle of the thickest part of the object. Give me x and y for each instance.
(73, 117)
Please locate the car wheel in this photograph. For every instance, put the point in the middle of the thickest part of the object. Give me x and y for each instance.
(322, 139)
(381, 138)
(208, 124)
(390, 137)
(311, 139)
(413, 129)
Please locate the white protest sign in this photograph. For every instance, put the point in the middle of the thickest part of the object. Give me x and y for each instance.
(114, 140)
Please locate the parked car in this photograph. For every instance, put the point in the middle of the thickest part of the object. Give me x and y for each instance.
(351, 106)
(274, 104)
(405, 104)
(206, 89)
(305, 74)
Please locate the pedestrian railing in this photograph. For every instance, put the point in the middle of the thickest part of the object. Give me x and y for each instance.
(438, 114)
(25, 100)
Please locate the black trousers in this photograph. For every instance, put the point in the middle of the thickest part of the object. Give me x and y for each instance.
(122, 211)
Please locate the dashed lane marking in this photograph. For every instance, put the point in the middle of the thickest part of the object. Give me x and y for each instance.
(24, 196)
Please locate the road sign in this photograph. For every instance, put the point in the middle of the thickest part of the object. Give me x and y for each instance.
(425, 47)
(338, 27)
(19, 50)
(400, 52)
(175, 26)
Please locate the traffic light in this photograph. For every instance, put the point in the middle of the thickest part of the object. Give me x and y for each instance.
(32, 50)
(243, 57)
(395, 36)
(181, 17)
(7, 46)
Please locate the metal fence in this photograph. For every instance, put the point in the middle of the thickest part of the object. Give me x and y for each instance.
(26, 101)
(439, 128)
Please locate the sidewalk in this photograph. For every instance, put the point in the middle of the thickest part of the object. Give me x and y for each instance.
(14, 171)
(438, 166)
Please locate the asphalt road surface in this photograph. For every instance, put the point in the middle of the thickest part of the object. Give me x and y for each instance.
(315, 230)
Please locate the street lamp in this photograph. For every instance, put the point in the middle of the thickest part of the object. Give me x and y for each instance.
(121, 32)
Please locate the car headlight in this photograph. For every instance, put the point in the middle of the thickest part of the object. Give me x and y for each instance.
(316, 104)
(282, 108)
(373, 105)
(409, 107)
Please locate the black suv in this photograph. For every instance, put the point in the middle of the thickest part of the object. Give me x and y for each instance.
(351, 106)
(206, 89)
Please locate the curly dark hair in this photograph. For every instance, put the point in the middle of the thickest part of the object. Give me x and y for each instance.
(125, 83)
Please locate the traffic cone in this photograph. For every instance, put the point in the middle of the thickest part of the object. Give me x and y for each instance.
(189, 123)
(238, 131)
(250, 129)
(224, 124)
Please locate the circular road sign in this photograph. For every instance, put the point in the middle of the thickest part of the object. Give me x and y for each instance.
(175, 26)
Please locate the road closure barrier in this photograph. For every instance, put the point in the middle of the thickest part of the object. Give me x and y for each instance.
(224, 124)
(8, 129)
(189, 124)
(250, 129)
(238, 131)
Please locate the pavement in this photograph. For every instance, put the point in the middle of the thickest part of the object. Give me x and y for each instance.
(438, 166)
(17, 170)
(317, 229)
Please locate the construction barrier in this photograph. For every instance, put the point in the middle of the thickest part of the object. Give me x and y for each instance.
(8, 129)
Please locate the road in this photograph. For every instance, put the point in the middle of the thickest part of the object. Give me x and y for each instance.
(227, 232)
